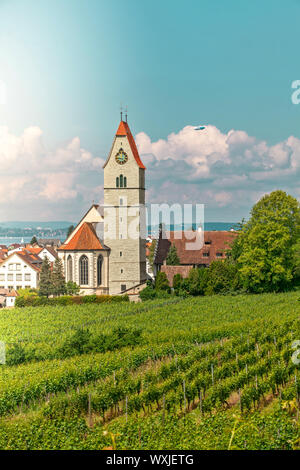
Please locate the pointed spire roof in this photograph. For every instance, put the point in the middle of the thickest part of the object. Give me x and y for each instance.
(124, 131)
(84, 239)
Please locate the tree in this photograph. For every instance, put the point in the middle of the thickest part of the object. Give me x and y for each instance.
(45, 287)
(296, 262)
(151, 252)
(267, 243)
(34, 240)
(222, 277)
(70, 230)
(173, 258)
(72, 288)
(58, 279)
(161, 282)
(196, 281)
(177, 281)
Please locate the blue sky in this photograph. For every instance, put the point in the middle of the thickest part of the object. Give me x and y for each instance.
(67, 65)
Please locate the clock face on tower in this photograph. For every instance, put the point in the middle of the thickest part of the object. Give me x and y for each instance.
(121, 157)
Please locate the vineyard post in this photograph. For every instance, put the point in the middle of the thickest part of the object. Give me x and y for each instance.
(256, 382)
(183, 383)
(240, 399)
(114, 378)
(212, 374)
(164, 406)
(126, 404)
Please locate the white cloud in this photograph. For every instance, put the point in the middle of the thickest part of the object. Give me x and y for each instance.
(222, 170)
(228, 172)
(35, 178)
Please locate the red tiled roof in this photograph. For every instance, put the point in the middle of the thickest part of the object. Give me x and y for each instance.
(123, 130)
(84, 239)
(33, 249)
(214, 242)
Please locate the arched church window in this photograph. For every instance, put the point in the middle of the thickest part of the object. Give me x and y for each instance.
(99, 270)
(125, 182)
(70, 268)
(83, 271)
(117, 182)
(121, 181)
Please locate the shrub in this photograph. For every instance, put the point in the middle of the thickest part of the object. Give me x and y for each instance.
(161, 282)
(147, 294)
(78, 343)
(16, 355)
(35, 301)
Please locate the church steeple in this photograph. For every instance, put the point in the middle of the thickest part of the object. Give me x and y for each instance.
(124, 191)
(124, 131)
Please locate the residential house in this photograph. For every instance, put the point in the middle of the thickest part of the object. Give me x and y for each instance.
(211, 246)
(20, 270)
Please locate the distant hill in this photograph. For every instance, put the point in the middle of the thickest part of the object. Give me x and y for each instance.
(35, 224)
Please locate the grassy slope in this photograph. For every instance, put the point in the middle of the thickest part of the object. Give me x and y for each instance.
(179, 323)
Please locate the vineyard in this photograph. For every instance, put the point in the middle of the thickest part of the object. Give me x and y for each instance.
(199, 373)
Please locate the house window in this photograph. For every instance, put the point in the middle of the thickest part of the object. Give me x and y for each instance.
(2, 277)
(208, 242)
(83, 271)
(121, 254)
(219, 255)
(11, 267)
(10, 277)
(206, 255)
(19, 287)
(99, 269)
(19, 277)
(70, 268)
(27, 277)
(18, 266)
(123, 287)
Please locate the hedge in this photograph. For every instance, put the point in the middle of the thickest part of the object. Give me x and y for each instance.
(35, 301)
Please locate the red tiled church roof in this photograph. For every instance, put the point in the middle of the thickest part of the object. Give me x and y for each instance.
(85, 239)
(123, 130)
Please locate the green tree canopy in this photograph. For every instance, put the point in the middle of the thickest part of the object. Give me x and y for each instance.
(173, 258)
(33, 240)
(161, 282)
(151, 252)
(266, 245)
(70, 230)
(58, 279)
(45, 286)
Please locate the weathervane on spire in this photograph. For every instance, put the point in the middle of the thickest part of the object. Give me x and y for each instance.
(126, 113)
(121, 110)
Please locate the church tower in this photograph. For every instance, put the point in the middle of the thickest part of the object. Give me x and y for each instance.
(124, 212)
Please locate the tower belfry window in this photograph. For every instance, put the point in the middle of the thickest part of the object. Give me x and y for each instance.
(117, 182)
(121, 181)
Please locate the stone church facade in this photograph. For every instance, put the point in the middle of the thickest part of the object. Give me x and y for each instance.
(106, 252)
